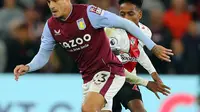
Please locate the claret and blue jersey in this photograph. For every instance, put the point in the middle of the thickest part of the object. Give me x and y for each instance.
(83, 37)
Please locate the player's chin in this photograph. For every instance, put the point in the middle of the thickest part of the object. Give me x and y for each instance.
(56, 15)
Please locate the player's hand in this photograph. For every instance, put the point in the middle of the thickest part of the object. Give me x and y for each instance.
(20, 70)
(158, 87)
(156, 77)
(162, 53)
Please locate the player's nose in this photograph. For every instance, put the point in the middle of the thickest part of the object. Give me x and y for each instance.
(126, 16)
(52, 9)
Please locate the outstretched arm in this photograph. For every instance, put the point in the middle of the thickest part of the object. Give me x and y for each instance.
(152, 86)
(41, 58)
(145, 62)
(100, 19)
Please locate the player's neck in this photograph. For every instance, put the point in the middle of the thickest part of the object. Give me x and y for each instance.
(137, 24)
(67, 14)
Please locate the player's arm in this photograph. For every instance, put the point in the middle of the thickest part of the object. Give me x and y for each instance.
(41, 58)
(100, 19)
(144, 59)
(145, 62)
(134, 79)
(152, 86)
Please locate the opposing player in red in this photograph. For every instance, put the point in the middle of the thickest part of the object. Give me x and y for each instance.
(79, 29)
(130, 51)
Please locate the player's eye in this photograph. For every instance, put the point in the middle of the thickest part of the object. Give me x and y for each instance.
(122, 14)
(131, 13)
(48, 1)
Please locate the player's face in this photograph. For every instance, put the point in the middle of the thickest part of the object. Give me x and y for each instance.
(59, 8)
(130, 12)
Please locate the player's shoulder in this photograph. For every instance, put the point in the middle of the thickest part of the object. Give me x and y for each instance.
(145, 29)
(51, 21)
(114, 31)
(77, 8)
(118, 38)
(80, 6)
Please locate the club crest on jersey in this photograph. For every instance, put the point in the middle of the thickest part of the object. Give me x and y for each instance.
(57, 32)
(132, 41)
(81, 24)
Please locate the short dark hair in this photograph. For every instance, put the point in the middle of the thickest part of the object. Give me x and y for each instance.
(138, 3)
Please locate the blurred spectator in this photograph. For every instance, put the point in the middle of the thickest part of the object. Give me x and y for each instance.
(67, 65)
(93, 2)
(194, 7)
(177, 60)
(149, 4)
(1, 3)
(198, 27)
(27, 3)
(191, 54)
(187, 52)
(3, 58)
(35, 26)
(161, 34)
(20, 49)
(177, 18)
(9, 12)
(42, 8)
(198, 10)
(166, 3)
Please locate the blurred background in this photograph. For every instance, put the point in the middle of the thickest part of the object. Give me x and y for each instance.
(175, 24)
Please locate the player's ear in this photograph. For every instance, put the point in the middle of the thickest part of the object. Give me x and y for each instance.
(140, 14)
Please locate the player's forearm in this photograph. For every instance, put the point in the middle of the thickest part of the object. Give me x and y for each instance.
(144, 60)
(134, 79)
(134, 30)
(40, 60)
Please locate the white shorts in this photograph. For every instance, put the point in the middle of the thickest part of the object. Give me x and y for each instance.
(106, 84)
(109, 104)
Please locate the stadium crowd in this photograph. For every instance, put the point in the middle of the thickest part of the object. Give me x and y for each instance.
(174, 24)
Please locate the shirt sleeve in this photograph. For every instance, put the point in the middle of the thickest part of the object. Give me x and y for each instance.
(144, 60)
(100, 18)
(146, 31)
(44, 53)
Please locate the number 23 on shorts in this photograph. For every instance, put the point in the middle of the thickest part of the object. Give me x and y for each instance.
(101, 78)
